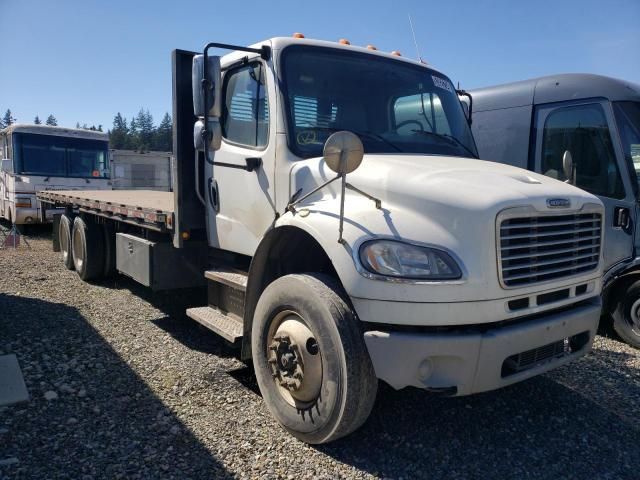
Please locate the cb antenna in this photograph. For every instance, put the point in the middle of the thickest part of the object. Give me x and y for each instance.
(415, 41)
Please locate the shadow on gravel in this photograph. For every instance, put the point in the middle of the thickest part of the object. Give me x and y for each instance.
(174, 304)
(104, 421)
(539, 429)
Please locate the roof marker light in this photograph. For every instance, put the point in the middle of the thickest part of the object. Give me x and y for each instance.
(344, 41)
(371, 47)
(298, 35)
(396, 53)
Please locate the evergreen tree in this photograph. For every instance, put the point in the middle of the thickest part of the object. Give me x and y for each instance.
(8, 119)
(144, 122)
(78, 125)
(133, 142)
(118, 136)
(164, 135)
(51, 120)
(99, 128)
(37, 120)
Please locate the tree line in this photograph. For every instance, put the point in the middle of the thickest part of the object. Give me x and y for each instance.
(139, 133)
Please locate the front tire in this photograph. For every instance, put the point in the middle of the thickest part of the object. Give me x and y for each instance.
(626, 316)
(87, 245)
(310, 359)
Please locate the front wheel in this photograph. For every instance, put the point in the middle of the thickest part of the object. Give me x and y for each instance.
(310, 359)
(626, 316)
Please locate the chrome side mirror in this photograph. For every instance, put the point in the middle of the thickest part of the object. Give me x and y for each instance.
(213, 86)
(568, 167)
(213, 131)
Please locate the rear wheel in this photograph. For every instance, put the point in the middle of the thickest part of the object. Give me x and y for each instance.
(87, 245)
(626, 316)
(310, 359)
(64, 238)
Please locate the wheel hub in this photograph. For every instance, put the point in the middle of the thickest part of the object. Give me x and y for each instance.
(295, 361)
(635, 314)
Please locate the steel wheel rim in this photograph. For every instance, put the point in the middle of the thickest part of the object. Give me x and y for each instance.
(77, 249)
(64, 245)
(294, 358)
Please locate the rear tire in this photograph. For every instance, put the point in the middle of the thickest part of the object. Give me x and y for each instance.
(87, 245)
(303, 321)
(64, 239)
(626, 316)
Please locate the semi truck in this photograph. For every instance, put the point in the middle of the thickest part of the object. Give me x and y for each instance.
(582, 129)
(43, 157)
(330, 199)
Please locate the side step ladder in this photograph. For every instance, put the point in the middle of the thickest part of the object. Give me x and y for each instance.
(224, 314)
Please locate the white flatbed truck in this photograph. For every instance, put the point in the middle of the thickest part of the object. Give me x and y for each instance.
(329, 197)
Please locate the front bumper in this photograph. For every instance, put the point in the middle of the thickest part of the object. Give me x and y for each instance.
(463, 362)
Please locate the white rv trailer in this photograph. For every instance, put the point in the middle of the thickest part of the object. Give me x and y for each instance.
(131, 170)
(42, 157)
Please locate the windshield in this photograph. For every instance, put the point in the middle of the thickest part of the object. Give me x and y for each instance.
(392, 106)
(56, 156)
(628, 120)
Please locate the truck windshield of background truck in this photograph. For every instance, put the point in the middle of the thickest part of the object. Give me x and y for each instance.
(628, 120)
(56, 156)
(393, 106)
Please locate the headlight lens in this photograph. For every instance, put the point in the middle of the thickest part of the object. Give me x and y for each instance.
(402, 260)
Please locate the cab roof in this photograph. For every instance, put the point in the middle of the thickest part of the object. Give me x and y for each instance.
(279, 43)
(57, 131)
(553, 88)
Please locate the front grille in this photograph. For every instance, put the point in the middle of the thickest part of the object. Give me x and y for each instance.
(537, 356)
(543, 248)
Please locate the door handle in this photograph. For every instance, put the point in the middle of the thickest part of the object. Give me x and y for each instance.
(621, 218)
(214, 198)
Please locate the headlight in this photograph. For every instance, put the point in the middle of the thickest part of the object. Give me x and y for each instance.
(402, 260)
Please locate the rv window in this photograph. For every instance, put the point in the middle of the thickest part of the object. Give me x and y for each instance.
(245, 115)
(582, 130)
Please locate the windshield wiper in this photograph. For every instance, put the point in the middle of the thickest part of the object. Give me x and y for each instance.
(448, 138)
(375, 136)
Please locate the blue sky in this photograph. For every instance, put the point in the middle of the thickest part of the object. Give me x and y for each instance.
(85, 60)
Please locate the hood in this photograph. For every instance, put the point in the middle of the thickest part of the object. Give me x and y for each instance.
(465, 183)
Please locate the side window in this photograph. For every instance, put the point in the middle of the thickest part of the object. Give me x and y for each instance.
(245, 113)
(583, 131)
(420, 112)
(3, 147)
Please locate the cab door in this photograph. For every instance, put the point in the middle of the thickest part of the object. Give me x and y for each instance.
(587, 129)
(240, 184)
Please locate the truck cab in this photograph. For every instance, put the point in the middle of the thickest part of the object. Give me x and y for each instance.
(534, 123)
(331, 198)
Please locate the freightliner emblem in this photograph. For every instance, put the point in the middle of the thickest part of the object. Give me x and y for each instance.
(558, 203)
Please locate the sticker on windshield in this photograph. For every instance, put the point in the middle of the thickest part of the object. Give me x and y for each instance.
(442, 83)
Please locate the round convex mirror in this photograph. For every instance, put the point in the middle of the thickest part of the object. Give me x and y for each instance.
(343, 152)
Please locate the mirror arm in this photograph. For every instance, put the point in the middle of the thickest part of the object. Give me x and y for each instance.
(464, 93)
(291, 206)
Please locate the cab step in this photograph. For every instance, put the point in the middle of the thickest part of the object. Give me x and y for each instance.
(232, 278)
(228, 327)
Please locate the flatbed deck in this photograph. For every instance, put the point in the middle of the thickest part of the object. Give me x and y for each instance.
(146, 208)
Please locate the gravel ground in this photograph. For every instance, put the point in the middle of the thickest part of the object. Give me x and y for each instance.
(124, 385)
